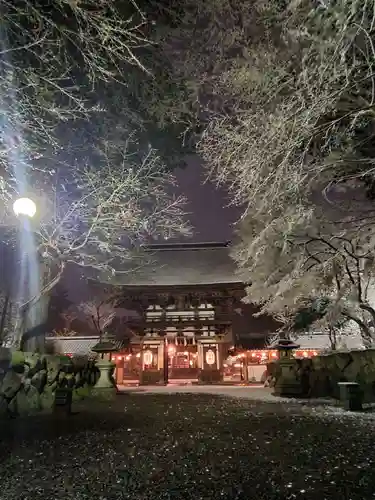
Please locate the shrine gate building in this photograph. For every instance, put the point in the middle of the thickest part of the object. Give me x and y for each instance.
(184, 302)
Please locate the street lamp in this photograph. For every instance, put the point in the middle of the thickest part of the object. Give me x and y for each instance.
(28, 262)
(24, 207)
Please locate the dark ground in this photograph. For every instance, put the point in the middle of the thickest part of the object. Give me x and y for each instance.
(188, 447)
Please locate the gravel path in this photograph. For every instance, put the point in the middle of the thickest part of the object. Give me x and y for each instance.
(189, 446)
(257, 393)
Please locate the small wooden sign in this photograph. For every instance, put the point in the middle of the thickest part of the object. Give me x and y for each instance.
(63, 400)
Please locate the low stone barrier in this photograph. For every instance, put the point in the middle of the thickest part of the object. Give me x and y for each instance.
(320, 375)
(28, 381)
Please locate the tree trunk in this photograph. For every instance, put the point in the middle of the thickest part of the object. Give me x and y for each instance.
(370, 310)
(332, 338)
(364, 329)
(32, 325)
(4, 314)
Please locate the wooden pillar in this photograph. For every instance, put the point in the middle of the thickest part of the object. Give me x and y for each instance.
(245, 368)
(165, 359)
(152, 365)
(119, 374)
(210, 361)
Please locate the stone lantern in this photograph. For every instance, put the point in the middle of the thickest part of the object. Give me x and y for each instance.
(285, 348)
(105, 384)
(287, 382)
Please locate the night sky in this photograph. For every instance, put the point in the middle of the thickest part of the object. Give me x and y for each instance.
(211, 217)
(209, 214)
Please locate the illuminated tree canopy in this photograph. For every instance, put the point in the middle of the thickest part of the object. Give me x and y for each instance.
(281, 95)
(71, 137)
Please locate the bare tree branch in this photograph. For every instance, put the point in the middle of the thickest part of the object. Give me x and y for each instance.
(101, 314)
(69, 140)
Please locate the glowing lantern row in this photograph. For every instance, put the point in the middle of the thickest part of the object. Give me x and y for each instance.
(305, 354)
(263, 355)
(254, 354)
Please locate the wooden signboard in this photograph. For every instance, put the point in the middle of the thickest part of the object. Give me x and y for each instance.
(63, 400)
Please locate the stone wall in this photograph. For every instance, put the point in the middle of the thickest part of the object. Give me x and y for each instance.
(28, 381)
(319, 376)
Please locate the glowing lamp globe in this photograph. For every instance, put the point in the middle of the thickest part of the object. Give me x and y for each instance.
(25, 207)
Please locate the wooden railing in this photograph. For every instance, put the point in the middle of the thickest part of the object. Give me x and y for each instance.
(179, 322)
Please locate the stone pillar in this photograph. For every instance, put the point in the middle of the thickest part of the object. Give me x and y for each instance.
(105, 386)
(287, 383)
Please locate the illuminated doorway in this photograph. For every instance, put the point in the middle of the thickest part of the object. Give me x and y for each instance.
(182, 362)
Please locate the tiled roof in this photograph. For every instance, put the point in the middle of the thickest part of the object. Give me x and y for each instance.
(77, 345)
(187, 264)
(321, 341)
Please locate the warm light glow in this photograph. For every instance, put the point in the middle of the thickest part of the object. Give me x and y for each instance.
(138, 355)
(186, 353)
(307, 353)
(274, 354)
(128, 357)
(171, 349)
(253, 354)
(24, 206)
(119, 358)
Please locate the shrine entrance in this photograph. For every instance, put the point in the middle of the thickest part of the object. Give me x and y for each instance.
(162, 361)
(182, 362)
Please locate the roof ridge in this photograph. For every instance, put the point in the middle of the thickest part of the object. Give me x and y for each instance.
(188, 246)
